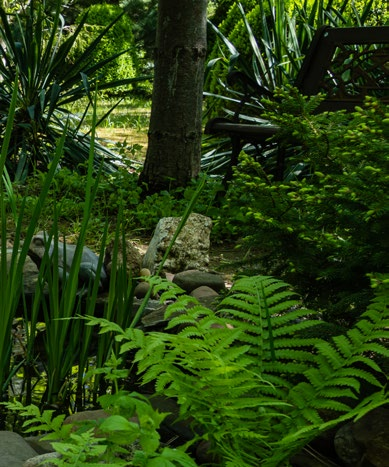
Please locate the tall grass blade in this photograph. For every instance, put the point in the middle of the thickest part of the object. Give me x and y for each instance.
(12, 262)
(64, 331)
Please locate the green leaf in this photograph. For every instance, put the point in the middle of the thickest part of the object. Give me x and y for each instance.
(118, 423)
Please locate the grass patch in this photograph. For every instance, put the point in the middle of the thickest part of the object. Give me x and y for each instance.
(125, 128)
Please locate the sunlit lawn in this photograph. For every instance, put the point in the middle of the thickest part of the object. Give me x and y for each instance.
(125, 129)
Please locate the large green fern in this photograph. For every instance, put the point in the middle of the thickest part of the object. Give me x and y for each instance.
(331, 392)
(249, 377)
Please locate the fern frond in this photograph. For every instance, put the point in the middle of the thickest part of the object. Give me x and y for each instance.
(293, 314)
(296, 343)
(290, 327)
(346, 381)
(338, 393)
(334, 359)
(162, 381)
(376, 348)
(366, 361)
(260, 378)
(361, 374)
(306, 432)
(284, 368)
(180, 305)
(247, 306)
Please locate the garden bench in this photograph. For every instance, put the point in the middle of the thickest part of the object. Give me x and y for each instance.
(346, 64)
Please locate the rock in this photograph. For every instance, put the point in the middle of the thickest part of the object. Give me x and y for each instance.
(14, 450)
(204, 454)
(30, 272)
(172, 427)
(144, 272)
(89, 260)
(39, 445)
(190, 250)
(192, 279)
(30, 276)
(176, 431)
(141, 289)
(205, 295)
(169, 276)
(346, 447)
(87, 415)
(365, 442)
(43, 460)
(154, 319)
(133, 257)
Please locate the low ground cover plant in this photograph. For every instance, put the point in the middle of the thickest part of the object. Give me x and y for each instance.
(115, 191)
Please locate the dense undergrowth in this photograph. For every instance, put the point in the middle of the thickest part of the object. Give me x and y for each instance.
(263, 374)
(323, 227)
(256, 387)
(116, 191)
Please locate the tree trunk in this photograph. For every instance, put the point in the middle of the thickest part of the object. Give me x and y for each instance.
(174, 145)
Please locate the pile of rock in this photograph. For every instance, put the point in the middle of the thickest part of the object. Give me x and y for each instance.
(190, 251)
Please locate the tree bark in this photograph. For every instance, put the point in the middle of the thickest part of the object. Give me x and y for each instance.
(174, 138)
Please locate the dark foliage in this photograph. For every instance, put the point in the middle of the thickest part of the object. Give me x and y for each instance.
(35, 49)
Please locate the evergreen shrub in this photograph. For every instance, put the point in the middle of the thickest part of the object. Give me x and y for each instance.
(323, 227)
(117, 39)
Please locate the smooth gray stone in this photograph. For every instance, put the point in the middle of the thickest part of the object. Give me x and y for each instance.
(192, 279)
(14, 450)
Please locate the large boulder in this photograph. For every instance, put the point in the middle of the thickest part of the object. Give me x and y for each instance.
(14, 450)
(190, 250)
(365, 442)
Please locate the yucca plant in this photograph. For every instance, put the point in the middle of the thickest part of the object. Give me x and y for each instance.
(37, 48)
(286, 34)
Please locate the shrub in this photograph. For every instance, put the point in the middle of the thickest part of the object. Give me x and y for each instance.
(119, 38)
(115, 191)
(323, 227)
(127, 436)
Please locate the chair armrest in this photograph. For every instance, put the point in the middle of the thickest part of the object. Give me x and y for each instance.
(245, 131)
